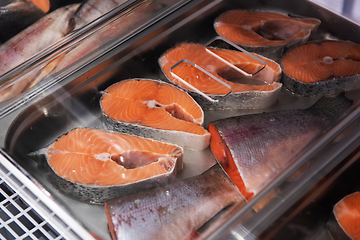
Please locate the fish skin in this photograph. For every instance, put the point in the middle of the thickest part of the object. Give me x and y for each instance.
(332, 82)
(186, 140)
(31, 41)
(87, 45)
(86, 12)
(92, 9)
(263, 145)
(97, 39)
(173, 211)
(321, 88)
(15, 17)
(42, 34)
(240, 100)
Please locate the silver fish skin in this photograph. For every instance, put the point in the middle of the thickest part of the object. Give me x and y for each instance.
(36, 38)
(16, 16)
(115, 30)
(31, 41)
(45, 32)
(174, 211)
(93, 9)
(262, 145)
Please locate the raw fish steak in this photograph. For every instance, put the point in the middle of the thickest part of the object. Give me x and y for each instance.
(174, 211)
(344, 222)
(246, 96)
(267, 33)
(96, 165)
(322, 67)
(255, 149)
(154, 109)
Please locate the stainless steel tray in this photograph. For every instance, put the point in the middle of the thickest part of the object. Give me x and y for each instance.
(48, 111)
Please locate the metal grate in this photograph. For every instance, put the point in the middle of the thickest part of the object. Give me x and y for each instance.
(27, 211)
(20, 221)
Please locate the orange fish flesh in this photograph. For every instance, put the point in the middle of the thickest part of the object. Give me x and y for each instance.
(347, 214)
(258, 29)
(154, 109)
(322, 67)
(242, 95)
(44, 5)
(99, 158)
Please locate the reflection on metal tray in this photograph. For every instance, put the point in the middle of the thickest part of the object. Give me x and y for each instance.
(74, 102)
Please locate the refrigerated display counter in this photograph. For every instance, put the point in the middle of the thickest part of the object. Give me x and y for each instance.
(126, 43)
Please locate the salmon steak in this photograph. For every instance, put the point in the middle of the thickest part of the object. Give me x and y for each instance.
(322, 67)
(254, 149)
(344, 223)
(88, 163)
(173, 211)
(267, 33)
(154, 109)
(242, 96)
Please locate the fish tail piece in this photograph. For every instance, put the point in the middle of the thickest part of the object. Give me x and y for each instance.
(223, 155)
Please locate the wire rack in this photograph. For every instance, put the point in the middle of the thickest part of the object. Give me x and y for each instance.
(27, 211)
(19, 220)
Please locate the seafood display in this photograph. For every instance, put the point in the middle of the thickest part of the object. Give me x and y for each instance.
(240, 96)
(161, 135)
(174, 211)
(154, 109)
(267, 33)
(345, 221)
(96, 165)
(322, 67)
(254, 149)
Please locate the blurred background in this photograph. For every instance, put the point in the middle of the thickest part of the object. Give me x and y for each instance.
(348, 8)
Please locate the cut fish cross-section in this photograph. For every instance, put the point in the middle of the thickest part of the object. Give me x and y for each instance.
(154, 109)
